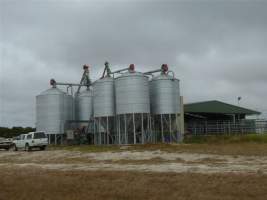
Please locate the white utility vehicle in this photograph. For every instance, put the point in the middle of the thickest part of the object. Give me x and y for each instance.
(30, 141)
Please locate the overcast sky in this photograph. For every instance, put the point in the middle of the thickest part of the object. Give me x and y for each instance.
(218, 49)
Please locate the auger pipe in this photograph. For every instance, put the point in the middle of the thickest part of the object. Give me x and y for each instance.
(85, 78)
(164, 69)
(72, 84)
(120, 70)
(153, 71)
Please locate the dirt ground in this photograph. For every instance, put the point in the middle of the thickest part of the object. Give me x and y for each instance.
(133, 172)
(46, 184)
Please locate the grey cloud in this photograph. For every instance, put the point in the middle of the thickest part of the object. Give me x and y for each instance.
(217, 49)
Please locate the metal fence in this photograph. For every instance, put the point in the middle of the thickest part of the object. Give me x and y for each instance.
(226, 127)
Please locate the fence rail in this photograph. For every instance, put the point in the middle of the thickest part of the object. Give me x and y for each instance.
(226, 127)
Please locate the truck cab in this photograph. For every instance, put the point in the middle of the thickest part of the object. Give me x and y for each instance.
(19, 141)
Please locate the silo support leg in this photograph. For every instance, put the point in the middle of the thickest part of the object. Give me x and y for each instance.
(161, 125)
(99, 132)
(142, 119)
(94, 134)
(134, 129)
(107, 131)
(150, 128)
(119, 139)
(153, 130)
(117, 127)
(170, 121)
(177, 128)
(125, 129)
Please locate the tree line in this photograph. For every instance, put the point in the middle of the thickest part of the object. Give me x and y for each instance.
(14, 131)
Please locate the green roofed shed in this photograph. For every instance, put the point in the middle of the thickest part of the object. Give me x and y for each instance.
(217, 107)
(216, 110)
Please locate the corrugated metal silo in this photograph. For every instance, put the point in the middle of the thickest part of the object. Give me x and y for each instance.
(132, 93)
(69, 107)
(165, 106)
(104, 110)
(132, 107)
(104, 98)
(50, 114)
(164, 95)
(84, 105)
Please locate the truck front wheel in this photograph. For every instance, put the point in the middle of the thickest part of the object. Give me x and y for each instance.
(27, 147)
(14, 147)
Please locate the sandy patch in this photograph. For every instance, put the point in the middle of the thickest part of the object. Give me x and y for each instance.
(149, 161)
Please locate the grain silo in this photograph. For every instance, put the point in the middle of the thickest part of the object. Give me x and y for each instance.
(165, 106)
(50, 113)
(104, 109)
(132, 107)
(122, 107)
(69, 107)
(83, 111)
(84, 105)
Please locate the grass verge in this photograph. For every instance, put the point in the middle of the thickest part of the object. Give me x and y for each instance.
(211, 139)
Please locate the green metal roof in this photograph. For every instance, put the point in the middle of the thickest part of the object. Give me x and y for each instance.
(217, 107)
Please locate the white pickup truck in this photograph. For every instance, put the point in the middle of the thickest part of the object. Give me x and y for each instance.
(30, 141)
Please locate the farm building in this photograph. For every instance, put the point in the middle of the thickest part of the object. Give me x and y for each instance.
(217, 117)
(216, 110)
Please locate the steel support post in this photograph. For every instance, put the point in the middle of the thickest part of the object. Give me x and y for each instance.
(119, 139)
(161, 124)
(170, 127)
(150, 128)
(94, 133)
(134, 129)
(153, 130)
(142, 119)
(125, 130)
(148, 131)
(117, 127)
(107, 131)
(99, 132)
(104, 132)
(182, 118)
(177, 127)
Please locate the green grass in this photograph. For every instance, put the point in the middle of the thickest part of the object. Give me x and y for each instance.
(255, 138)
(231, 143)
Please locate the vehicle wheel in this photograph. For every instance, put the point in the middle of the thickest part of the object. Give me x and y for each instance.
(27, 147)
(42, 148)
(13, 147)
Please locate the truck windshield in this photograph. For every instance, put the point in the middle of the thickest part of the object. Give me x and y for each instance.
(39, 135)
